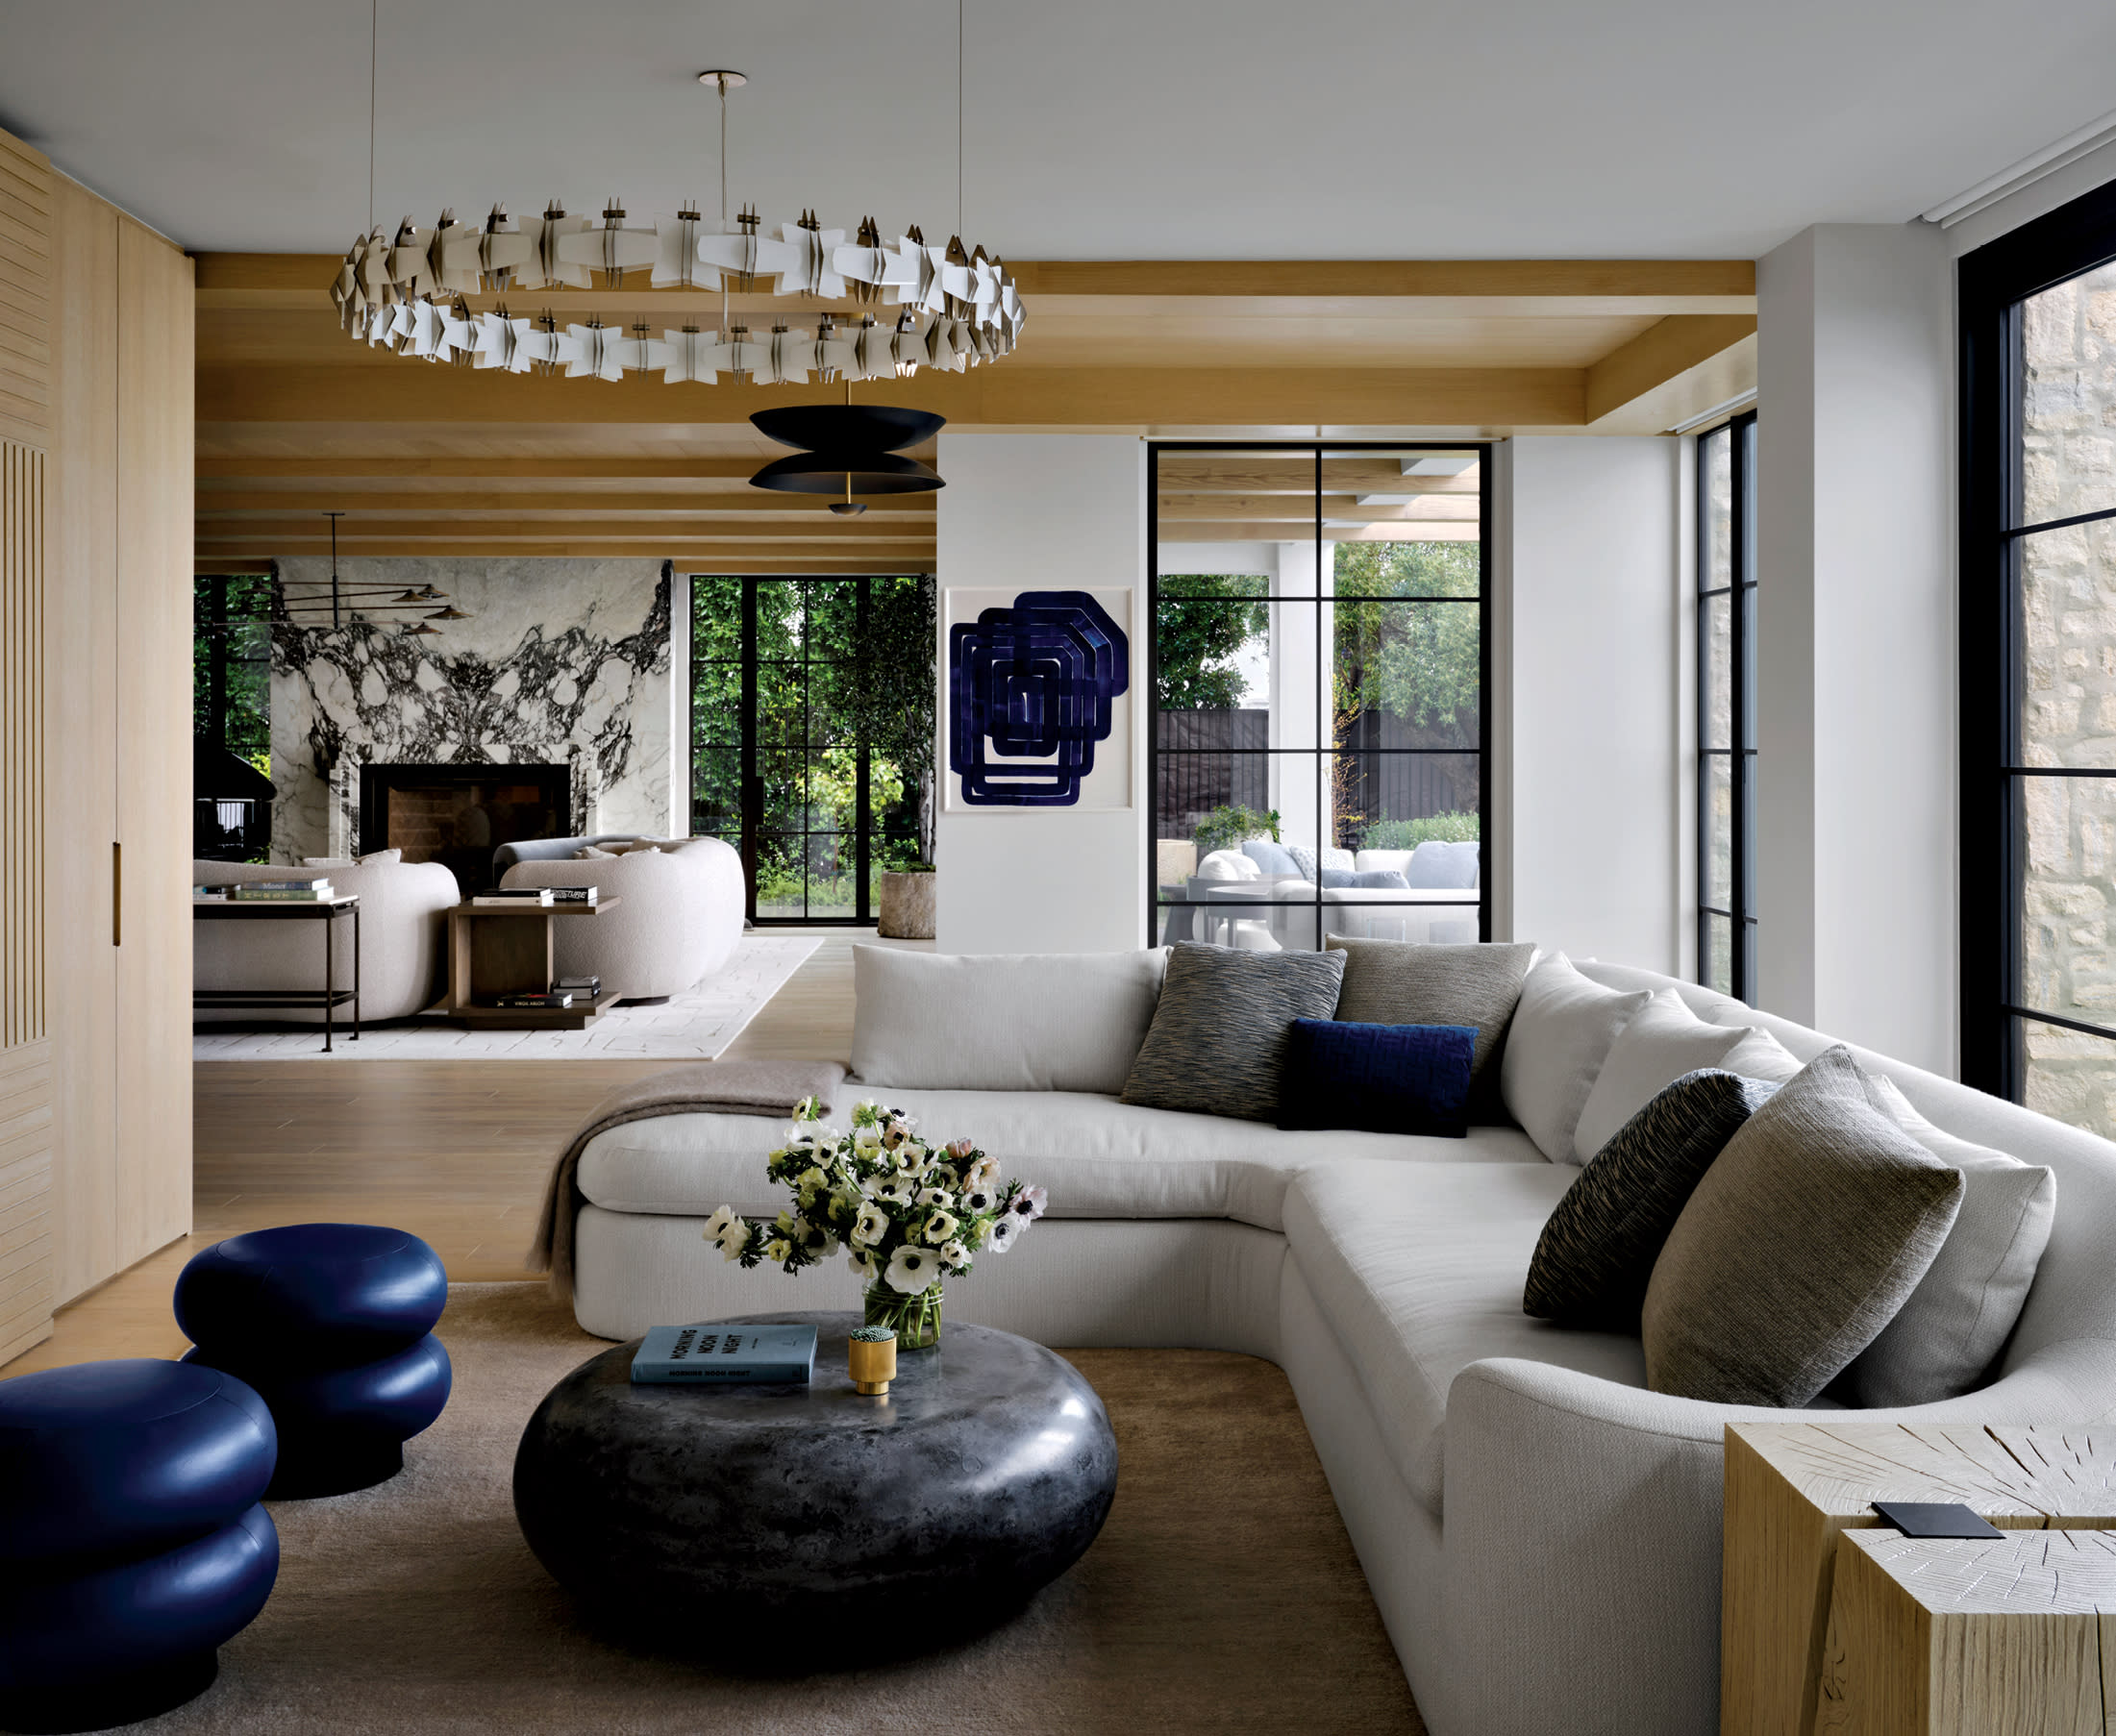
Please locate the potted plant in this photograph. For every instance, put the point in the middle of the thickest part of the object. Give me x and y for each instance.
(892, 700)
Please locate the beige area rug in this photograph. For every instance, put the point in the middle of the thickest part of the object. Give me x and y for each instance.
(694, 1026)
(1223, 1594)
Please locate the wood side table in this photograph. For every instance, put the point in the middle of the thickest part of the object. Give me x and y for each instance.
(1942, 1636)
(496, 950)
(1793, 1488)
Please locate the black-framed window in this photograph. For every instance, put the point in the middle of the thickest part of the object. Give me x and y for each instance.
(779, 768)
(1725, 706)
(232, 711)
(1319, 665)
(2038, 664)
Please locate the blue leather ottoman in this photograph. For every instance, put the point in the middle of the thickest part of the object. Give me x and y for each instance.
(132, 1544)
(332, 1324)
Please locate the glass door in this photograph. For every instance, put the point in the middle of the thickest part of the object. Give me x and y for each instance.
(780, 766)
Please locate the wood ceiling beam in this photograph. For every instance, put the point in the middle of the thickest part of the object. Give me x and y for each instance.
(218, 559)
(1294, 473)
(234, 531)
(288, 279)
(581, 469)
(1136, 400)
(761, 503)
(1658, 353)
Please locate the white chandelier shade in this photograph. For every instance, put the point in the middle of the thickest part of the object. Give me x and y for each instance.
(958, 307)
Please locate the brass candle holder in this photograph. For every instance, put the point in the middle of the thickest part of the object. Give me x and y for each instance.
(870, 1359)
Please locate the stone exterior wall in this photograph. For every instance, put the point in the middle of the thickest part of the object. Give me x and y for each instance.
(2068, 642)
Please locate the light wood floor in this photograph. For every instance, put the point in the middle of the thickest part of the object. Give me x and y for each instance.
(456, 1151)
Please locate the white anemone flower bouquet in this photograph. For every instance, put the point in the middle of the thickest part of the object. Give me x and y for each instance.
(910, 1214)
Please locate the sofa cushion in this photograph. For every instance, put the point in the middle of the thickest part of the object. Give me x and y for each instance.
(1597, 1253)
(1437, 863)
(1270, 857)
(1229, 865)
(1948, 1334)
(1218, 1039)
(1798, 1245)
(1418, 1270)
(1664, 1041)
(1563, 1028)
(1404, 982)
(1098, 1159)
(1002, 1021)
(1387, 1078)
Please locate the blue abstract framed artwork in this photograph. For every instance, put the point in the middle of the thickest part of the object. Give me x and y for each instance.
(1039, 709)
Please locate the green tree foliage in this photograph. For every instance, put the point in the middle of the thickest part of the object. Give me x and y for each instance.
(232, 665)
(1201, 630)
(1416, 661)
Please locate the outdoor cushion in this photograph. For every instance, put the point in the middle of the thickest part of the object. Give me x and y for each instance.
(1099, 1158)
(1436, 863)
(1270, 855)
(1229, 865)
(1419, 1270)
(1002, 1021)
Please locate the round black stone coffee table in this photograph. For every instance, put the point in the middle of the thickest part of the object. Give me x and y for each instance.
(710, 1517)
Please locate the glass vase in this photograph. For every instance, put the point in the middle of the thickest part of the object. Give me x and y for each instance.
(914, 1319)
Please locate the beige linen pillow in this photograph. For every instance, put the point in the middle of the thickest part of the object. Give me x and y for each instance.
(1403, 983)
(1663, 1041)
(1798, 1245)
(1959, 1318)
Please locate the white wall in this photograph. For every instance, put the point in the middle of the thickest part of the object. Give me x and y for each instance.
(1044, 511)
(1855, 654)
(1588, 765)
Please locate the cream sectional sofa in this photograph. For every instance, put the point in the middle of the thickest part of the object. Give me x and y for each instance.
(1541, 1533)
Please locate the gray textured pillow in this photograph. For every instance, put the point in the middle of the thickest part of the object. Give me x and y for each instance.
(1598, 1248)
(1959, 1318)
(1798, 1247)
(1401, 982)
(1219, 1036)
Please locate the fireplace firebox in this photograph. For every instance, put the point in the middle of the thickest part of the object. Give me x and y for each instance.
(459, 814)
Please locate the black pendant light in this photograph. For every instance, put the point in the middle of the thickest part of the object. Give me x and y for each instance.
(847, 449)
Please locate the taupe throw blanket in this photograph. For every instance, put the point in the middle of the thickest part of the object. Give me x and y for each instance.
(698, 1088)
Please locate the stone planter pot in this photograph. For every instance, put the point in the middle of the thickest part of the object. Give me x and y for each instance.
(906, 911)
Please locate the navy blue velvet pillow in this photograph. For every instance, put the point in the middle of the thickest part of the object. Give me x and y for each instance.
(1378, 1079)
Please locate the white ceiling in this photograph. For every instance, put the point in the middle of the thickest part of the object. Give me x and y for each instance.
(1095, 129)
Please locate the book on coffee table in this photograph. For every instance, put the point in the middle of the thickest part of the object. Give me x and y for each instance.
(719, 1356)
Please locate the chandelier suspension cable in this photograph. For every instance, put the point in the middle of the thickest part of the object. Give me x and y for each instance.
(958, 117)
(723, 84)
(374, 34)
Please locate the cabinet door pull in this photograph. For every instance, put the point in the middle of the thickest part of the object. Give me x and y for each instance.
(118, 894)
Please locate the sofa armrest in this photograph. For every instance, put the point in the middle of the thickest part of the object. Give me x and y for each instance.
(1581, 1535)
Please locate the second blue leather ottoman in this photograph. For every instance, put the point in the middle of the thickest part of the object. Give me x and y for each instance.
(332, 1324)
(132, 1544)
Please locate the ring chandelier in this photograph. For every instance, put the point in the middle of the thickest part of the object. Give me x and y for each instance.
(956, 305)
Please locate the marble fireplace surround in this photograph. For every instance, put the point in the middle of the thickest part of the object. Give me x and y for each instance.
(563, 662)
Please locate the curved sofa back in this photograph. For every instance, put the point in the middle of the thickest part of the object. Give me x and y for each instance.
(680, 921)
(401, 940)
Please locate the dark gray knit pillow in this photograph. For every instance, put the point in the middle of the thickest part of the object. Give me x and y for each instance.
(1219, 1036)
(1404, 982)
(1798, 1246)
(1598, 1247)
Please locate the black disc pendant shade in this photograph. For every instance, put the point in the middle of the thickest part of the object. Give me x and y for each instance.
(847, 449)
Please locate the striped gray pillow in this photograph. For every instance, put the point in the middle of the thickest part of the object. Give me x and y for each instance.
(1405, 982)
(1598, 1247)
(1218, 1040)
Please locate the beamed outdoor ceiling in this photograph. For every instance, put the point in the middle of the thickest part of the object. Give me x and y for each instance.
(294, 419)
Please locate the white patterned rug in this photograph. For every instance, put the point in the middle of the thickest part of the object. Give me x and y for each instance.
(695, 1026)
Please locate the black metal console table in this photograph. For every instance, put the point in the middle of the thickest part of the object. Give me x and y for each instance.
(329, 996)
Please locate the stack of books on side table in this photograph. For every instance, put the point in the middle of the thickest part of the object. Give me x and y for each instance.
(583, 988)
(553, 1001)
(572, 894)
(282, 892)
(504, 897)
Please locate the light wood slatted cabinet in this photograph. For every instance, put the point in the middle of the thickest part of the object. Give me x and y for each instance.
(95, 606)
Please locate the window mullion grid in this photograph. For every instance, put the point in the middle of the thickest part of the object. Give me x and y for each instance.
(1742, 734)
